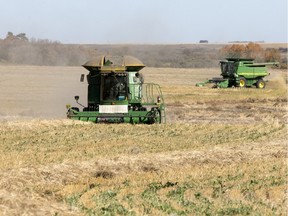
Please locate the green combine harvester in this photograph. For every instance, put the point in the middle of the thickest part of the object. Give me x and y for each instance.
(117, 93)
(240, 72)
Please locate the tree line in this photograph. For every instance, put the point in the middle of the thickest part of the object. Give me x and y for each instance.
(18, 49)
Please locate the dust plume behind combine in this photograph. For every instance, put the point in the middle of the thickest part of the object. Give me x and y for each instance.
(38, 92)
(43, 92)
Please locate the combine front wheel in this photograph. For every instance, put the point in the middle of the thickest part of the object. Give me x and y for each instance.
(156, 116)
(242, 82)
(260, 84)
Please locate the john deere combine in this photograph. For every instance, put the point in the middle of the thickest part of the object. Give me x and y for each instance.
(117, 93)
(239, 72)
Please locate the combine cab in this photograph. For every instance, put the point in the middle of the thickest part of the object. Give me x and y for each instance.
(117, 93)
(240, 73)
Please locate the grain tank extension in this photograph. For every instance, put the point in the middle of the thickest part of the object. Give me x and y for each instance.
(117, 93)
(239, 72)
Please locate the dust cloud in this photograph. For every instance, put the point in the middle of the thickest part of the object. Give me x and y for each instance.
(39, 92)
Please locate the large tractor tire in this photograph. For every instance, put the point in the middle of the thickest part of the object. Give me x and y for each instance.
(260, 84)
(155, 117)
(242, 82)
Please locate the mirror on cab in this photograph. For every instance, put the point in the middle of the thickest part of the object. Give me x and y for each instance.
(76, 98)
(82, 78)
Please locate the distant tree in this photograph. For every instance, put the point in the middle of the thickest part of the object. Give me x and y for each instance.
(187, 52)
(250, 50)
(11, 38)
(254, 51)
(272, 55)
(22, 36)
(234, 51)
(9, 34)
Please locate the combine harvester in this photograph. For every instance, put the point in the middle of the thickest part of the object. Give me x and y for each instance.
(239, 72)
(117, 93)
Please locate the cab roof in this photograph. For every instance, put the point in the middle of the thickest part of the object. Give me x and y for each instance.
(114, 63)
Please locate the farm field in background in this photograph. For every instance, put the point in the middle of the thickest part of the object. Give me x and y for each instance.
(222, 151)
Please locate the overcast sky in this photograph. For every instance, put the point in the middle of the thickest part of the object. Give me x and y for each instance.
(146, 21)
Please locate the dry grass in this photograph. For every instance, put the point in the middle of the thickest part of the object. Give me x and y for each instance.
(222, 152)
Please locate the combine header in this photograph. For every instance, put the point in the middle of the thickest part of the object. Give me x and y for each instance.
(117, 93)
(240, 72)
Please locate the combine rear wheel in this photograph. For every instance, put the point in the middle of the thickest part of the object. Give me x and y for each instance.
(260, 84)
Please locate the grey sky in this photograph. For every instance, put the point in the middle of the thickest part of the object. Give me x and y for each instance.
(146, 21)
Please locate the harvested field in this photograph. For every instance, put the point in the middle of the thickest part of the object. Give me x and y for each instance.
(222, 151)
